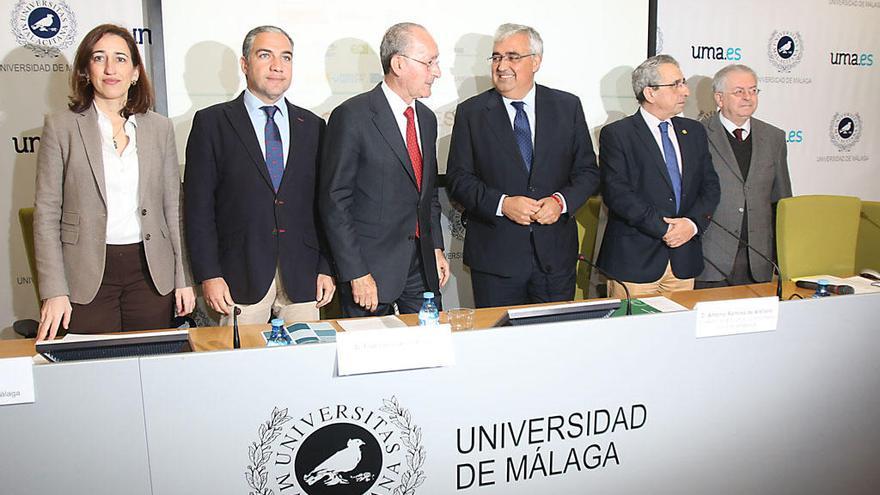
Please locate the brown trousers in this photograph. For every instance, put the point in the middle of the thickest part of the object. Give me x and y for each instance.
(127, 299)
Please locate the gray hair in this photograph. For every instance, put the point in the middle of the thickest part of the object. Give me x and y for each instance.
(719, 82)
(395, 41)
(648, 74)
(536, 44)
(252, 34)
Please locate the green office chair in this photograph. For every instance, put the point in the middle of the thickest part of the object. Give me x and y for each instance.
(816, 235)
(868, 246)
(588, 224)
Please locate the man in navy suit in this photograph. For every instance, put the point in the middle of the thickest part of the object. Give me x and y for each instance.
(251, 226)
(378, 194)
(659, 185)
(521, 163)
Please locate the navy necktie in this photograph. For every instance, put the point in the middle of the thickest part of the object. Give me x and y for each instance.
(274, 148)
(523, 134)
(671, 163)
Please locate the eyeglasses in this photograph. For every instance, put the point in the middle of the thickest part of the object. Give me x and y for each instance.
(674, 84)
(511, 58)
(742, 92)
(430, 64)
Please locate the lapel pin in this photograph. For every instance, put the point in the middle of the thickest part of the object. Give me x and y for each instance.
(684, 131)
(300, 119)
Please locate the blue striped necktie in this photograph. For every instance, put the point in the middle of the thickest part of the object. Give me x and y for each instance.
(671, 163)
(274, 148)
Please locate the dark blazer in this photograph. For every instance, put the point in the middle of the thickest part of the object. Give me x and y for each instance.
(70, 216)
(768, 181)
(638, 192)
(237, 227)
(369, 199)
(485, 162)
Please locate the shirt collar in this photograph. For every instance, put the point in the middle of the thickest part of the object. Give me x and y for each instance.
(528, 99)
(254, 104)
(730, 126)
(652, 121)
(398, 106)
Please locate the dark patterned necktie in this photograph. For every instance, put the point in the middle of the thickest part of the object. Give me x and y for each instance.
(274, 148)
(523, 134)
(671, 163)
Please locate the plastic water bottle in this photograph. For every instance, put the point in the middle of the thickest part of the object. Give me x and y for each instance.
(821, 288)
(429, 315)
(278, 335)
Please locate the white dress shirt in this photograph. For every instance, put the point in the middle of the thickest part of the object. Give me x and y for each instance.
(398, 106)
(730, 126)
(121, 182)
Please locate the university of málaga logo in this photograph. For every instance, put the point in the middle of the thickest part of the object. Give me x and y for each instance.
(43, 26)
(785, 50)
(338, 450)
(845, 130)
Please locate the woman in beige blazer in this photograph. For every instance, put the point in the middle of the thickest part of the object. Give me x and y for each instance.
(106, 221)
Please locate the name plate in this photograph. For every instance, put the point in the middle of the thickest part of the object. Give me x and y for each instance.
(16, 381)
(716, 318)
(393, 349)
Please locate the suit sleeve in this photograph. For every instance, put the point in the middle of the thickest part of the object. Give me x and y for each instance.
(465, 185)
(339, 164)
(584, 177)
(171, 199)
(619, 189)
(200, 184)
(47, 214)
(710, 187)
(782, 179)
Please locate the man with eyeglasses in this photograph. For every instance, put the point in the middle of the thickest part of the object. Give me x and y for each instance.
(378, 197)
(750, 158)
(521, 163)
(659, 185)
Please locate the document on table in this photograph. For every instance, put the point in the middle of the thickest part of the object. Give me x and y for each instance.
(371, 323)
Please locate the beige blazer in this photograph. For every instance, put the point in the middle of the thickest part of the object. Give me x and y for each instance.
(70, 216)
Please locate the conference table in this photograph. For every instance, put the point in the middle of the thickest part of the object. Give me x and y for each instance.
(634, 404)
(206, 339)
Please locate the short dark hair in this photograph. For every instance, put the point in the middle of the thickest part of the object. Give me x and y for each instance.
(140, 95)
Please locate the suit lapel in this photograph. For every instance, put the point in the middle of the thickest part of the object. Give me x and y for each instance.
(386, 123)
(429, 138)
(296, 121)
(91, 136)
(499, 122)
(146, 144)
(718, 140)
(648, 141)
(238, 118)
(759, 148)
(543, 125)
(686, 148)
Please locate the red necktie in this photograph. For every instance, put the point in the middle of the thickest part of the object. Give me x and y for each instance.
(738, 133)
(415, 155)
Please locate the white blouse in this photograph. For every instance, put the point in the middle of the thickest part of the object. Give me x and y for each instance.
(121, 183)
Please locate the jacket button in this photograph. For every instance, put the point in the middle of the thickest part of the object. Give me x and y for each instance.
(147, 237)
(740, 210)
(548, 268)
(144, 212)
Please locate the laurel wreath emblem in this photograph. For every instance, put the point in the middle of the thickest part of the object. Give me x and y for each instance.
(411, 435)
(257, 474)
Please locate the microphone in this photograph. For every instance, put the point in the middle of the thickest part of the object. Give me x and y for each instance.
(840, 290)
(236, 339)
(629, 307)
(759, 253)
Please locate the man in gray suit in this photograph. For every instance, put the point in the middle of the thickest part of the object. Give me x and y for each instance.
(378, 196)
(750, 158)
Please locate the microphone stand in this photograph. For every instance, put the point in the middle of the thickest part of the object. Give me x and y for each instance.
(760, 254)
(236, 339)
(629, 308)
